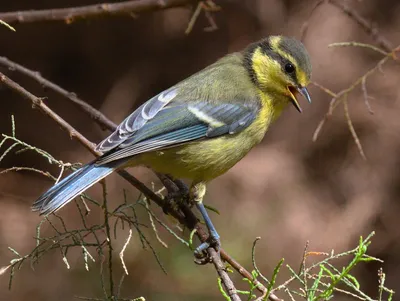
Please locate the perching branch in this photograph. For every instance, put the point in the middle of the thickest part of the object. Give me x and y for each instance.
(187, 218)
(71, 14)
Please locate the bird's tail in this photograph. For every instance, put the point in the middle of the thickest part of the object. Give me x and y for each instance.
(77, 182)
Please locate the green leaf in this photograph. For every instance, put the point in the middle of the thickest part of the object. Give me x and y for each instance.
(314, 287)
(191, 239)
(212, 209)
(354, 280)
(325, 269)
(273, 279)
(221, 289)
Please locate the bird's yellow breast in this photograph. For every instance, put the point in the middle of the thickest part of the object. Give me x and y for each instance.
(207, 159)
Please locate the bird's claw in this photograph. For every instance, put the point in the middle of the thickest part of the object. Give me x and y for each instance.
(200, 253)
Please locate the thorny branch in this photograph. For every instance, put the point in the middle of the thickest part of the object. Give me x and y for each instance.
(71, 14)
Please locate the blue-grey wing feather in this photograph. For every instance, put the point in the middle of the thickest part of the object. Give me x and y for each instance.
(156, 143)
(155, 126)
(137, 120)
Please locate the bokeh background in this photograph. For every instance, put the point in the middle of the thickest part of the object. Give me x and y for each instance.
(287, 190)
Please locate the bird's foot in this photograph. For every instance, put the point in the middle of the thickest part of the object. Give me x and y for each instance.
(200, 253)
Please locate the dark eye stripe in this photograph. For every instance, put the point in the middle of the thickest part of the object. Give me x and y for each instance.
(283, 62)
(266, 50)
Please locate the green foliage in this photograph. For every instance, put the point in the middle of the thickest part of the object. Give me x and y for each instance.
(322, 280)
(94, 237)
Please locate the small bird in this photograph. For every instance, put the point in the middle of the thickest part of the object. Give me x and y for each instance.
(202, 126)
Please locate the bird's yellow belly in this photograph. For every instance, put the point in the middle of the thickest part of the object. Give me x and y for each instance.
(199, 161)
(207, 159)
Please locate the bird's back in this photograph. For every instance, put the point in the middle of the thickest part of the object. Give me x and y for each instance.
(225, 81)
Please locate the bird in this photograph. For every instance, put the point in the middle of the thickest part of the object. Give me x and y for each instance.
(201, 127)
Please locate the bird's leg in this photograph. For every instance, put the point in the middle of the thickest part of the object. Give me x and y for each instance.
(197, 193)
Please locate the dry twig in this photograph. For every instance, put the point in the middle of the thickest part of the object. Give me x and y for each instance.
(96, 115)
(71, 14)
(366, 25)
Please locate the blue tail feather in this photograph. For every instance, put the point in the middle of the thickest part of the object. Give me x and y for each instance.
(68, 188)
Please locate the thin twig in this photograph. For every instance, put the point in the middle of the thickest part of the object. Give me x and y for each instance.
(366, 25)
(303, 267)
(366, 96)
(338, 98)
(71, 14)
(108, 238)
(223, 274)
(7, 25)
(352, 129)
(38, 103)
(192, 223)
(194, 18)
(73, 133)
(45, 83)
(253, 259)
(360, 45)
(304, 27)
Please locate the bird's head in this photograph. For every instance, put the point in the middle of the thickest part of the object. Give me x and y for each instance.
(280, 66)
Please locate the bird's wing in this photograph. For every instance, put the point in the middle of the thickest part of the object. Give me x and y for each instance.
(137, 120)
(156, 125)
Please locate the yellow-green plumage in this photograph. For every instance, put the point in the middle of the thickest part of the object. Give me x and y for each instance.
(229, 80)
(226, 80)
(201, 127)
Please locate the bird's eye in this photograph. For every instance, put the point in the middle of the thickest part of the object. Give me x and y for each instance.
(289, 68)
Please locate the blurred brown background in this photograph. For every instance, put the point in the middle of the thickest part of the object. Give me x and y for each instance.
(288, 190)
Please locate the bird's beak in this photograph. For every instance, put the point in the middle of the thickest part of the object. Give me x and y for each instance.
(293, 92)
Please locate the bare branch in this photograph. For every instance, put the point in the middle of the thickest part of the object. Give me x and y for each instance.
(366, 96)
(38, 103)
(366, 25)
(73, 133)
(352, 129)
(304, 27)
(71, 14)
(357, 44)
(96, 115)
(223, 274)
(338, 98)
